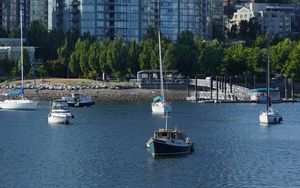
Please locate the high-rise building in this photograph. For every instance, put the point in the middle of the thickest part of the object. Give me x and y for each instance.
(64, 14)
(129, 19)
(39, 10)
(217, 17)
(10, 13)
(177, 16)
(112, 18)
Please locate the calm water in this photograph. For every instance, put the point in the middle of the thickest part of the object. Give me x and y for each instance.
(105, 147)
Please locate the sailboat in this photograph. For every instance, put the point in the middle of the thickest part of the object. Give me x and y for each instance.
(159, 104)
(23, 103)
(269, 116)
(166, 142)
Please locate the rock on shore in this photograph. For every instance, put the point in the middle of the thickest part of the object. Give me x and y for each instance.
(52, 89)
(105, 94)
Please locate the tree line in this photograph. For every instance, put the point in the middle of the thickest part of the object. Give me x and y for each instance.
(72, 55)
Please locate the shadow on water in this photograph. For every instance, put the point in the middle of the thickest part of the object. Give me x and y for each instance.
(166, 157)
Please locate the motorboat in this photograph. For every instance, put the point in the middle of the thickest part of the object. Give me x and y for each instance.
(167, 142)
(79, 100)
(59, 113)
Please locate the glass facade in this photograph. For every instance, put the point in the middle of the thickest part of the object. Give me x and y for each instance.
(38, 10)
(113, 18)
(178, 16)
(131, 18)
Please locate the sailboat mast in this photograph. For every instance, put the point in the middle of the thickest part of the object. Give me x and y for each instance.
(268, 71)
(160, 60)
(22, 69)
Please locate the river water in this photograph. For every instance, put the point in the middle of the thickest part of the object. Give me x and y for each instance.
(105, 147)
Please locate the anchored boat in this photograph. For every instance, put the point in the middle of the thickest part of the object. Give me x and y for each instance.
(79, 100)
(166, 142)
(59, 113)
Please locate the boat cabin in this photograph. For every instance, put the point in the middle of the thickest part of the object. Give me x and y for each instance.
(169, 134)
(59, 104)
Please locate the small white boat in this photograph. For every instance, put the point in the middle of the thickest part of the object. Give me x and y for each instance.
(59, 113)
(270, 116)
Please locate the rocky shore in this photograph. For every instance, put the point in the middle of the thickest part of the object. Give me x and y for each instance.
(99, 91)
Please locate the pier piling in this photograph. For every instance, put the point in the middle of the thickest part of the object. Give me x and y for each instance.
(285, 89)
(211, 88)
(230, 83)
(217, 93)
(292, 89)
(196, 94)
(225, 97)
(188, 86)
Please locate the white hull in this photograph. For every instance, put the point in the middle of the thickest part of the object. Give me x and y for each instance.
(54, 118)
(161, 108)
(270, 117)
(22, 104)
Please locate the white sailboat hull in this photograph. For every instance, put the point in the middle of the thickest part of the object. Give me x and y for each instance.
(270, 117)
(161, 107)
(22, 104)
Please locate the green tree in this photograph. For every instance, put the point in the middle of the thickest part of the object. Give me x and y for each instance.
(65, 50)
(14, 33)
(255, 60)
(291, 68)
(83, 48)
(104, 65)
(133, 62)
(233, 32)
(55, 68)
(42, 71)
(55, 39)
(279, 54)
(26, 62)
(234, 61)
(147, 46)
(211, 59)
(37, 34)
(117, 57)
(185, 53)
(253, 28)
(94, 56)
(74, 64)
(244, 29)
(169, 59)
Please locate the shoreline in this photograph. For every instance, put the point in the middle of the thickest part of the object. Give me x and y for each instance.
(104, 95)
